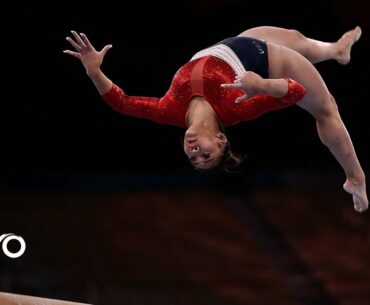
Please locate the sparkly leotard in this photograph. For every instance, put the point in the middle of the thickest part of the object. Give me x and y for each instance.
(202, 76)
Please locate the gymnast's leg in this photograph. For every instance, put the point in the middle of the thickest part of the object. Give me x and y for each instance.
(285, 62)
(314, 50)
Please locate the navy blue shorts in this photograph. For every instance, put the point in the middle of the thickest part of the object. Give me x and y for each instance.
(251, 52)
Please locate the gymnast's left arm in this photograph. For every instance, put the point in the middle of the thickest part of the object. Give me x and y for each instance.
(151, 108)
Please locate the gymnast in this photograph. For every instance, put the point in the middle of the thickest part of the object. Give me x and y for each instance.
(239, 79)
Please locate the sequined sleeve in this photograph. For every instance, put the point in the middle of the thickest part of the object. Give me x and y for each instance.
(260, 104)
(151, 108)
(295, 92)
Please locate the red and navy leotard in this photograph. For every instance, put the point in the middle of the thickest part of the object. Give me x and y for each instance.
(201, 77)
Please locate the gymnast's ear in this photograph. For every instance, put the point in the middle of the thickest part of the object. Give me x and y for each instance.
(222, 138)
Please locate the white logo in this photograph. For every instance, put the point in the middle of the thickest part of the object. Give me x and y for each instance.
(6, 238)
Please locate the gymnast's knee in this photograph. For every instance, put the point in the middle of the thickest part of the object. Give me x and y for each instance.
(328, 109)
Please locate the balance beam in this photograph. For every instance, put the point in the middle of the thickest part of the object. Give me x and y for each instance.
(19, 299)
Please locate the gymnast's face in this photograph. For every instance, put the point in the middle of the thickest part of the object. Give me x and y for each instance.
(204, 150)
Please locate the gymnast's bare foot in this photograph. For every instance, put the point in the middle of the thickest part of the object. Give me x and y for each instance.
(358, 192)
(345, 43)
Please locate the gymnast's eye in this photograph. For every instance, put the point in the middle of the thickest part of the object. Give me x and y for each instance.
(206, 155)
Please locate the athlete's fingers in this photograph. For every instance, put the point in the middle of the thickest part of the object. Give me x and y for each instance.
(86, 41)
(73, 44)
(241, 98)
(74, 54)
(229, 86)
(78, 39)
(106, 49)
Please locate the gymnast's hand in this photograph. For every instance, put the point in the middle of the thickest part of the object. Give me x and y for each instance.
(90, 58)
(250, 82)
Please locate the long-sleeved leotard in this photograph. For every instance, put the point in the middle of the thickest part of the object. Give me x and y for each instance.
(201, 77)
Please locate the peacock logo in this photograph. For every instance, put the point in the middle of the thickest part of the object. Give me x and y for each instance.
(6, 238)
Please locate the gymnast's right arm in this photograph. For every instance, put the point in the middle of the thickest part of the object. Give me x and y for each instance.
(151, 108)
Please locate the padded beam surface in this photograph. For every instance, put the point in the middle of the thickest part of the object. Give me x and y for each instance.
(19, 299)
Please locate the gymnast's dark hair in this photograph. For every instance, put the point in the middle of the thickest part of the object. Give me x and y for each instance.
(230, 162)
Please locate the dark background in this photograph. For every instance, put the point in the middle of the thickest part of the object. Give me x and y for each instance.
(54, 122)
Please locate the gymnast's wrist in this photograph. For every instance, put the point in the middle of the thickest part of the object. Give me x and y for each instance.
(93, 73)
(275, 87)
